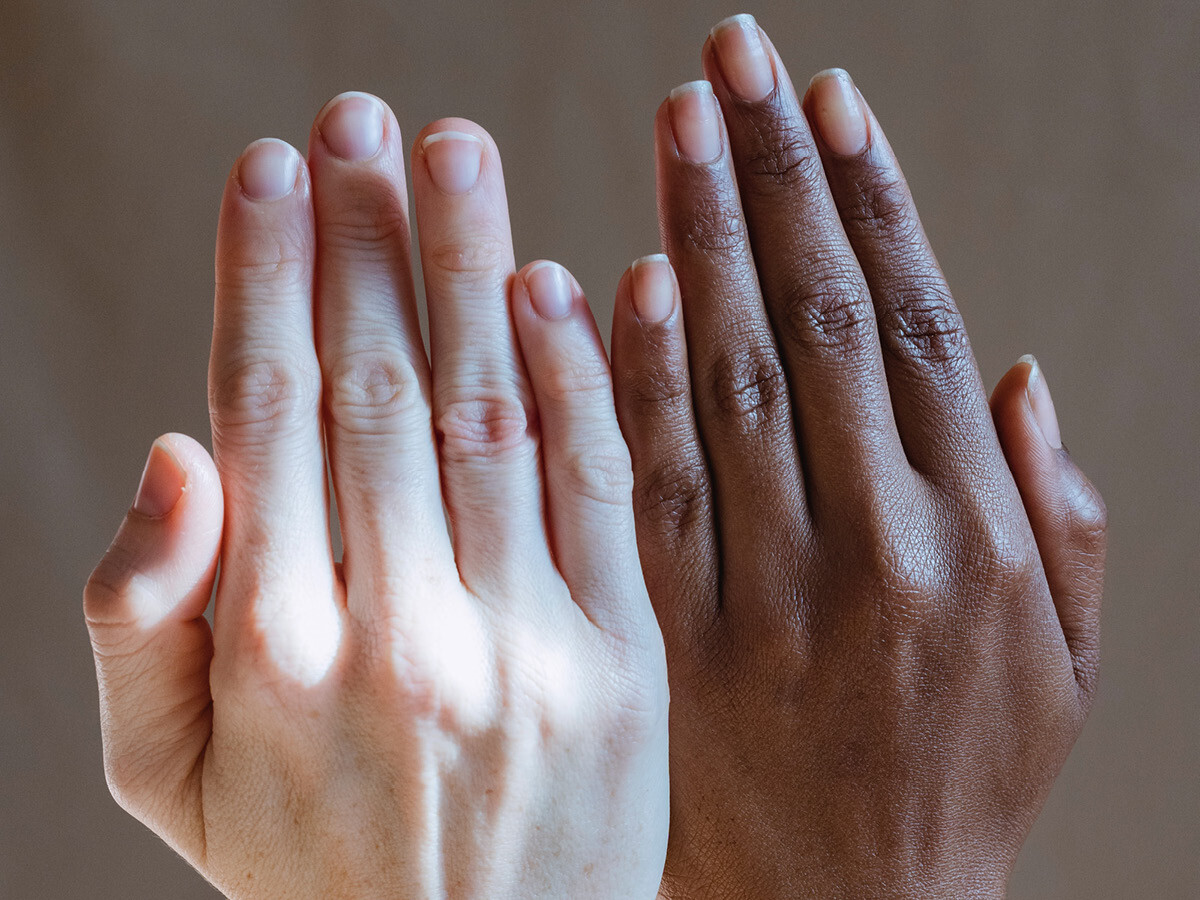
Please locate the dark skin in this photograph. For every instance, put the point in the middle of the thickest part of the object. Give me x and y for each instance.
(879, 594)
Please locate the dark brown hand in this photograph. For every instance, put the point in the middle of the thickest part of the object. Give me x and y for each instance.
(880, 597)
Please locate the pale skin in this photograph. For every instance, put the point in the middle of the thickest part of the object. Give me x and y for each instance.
(475, 715)
(879, 594)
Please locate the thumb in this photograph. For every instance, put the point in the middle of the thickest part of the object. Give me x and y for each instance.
(144, 605)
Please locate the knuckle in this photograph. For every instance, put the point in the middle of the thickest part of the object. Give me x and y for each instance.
(105, 590)
(369, 390)
(673, 495)
(881, 206)
(1087, 516)
(657, 385)
(366, 229)
(908, 587)
(715, 229)
(1001, 560)
(268, 393)
(921, 322)
(482, 259)
(601, 474)
(124, 776)
(268, 257)
(575, 384)
(827, 311)
(748, 386)
(484, 425)
(782, 158)
(114, 594)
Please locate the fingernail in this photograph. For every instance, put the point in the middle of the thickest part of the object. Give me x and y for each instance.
(1042, 404)
(352, 126)
(550, 289)
(840, 116)
(162, 483)
(743, 58)
(453, 158)
(694, 113)
(268, 169)
(653, 288)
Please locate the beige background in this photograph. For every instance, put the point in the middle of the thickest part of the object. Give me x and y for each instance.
(1053, 149)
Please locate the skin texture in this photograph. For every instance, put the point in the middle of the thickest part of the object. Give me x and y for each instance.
(879, 596)
(477, 711)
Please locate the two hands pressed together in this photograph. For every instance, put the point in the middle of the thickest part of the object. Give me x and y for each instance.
(876, 597)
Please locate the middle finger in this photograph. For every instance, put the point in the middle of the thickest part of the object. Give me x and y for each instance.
(483, 407)
(814, 290)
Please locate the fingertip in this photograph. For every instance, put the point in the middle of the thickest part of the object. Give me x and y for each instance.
(454, 154)
(548, 288)
(1023, 393)
(654, 289)
(168, 542)
(203, 483)
(353, 126)
(162, 484)
(268, 170)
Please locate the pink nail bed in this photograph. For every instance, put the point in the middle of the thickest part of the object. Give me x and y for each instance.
(162, 483)
(840, 116)
(694, 121)
(1041, 403)
(453, 159)
(352, 126)
(550, 289)
(744, 61)
(268, 169)
(653, 288)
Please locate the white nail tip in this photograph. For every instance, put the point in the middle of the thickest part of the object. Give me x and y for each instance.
(830, 73)
(693, 87)
(449, 136)
(651, 258)
(278, 141)
(741, 20)
(1033, 368)
(542, 264)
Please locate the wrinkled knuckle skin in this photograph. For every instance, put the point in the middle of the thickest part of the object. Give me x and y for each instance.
(264, 395)
(600, 474)
(748, 387)
(658, 388)
(582, 384)
(781, 158)
(365, 231)
(368, 392)
(271, 258)
(673, 495)
(714, 229)
(880, 207)
(475, 261)
(482, 426)
(920, 323)
(827, 312)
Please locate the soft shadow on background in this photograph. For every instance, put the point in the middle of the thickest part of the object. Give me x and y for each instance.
(1052, 149)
